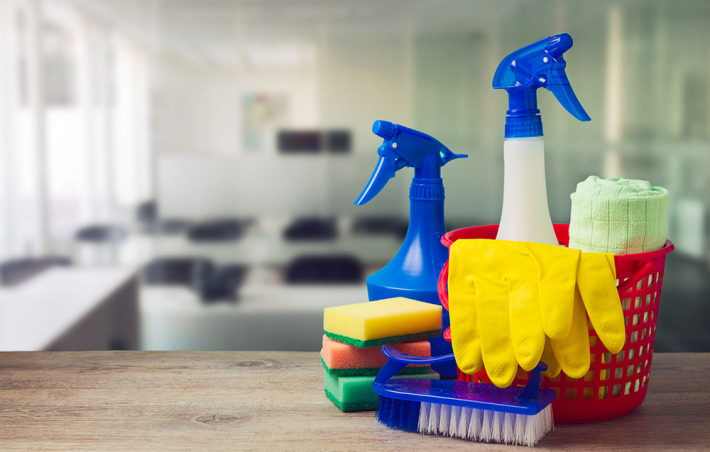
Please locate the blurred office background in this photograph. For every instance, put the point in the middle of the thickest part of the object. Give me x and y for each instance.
(179, 174)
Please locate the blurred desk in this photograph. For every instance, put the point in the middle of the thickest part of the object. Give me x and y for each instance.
(266, 317)
(273, 250)
(71, 308)
(261, 245)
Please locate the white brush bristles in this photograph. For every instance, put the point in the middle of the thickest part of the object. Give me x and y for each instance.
(423, 426)
(484, 425)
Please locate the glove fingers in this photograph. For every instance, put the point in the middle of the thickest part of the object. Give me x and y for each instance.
(463, 313)
(548, 357)
(597, 285)
(526, 332)
(558, 273)
(572, 352)
(494, 326)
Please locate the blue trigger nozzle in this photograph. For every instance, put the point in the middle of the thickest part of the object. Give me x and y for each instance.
(405, 147)
(538, 65)
(383, 129)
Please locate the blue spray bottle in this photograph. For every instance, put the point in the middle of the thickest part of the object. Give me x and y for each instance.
(414, 271)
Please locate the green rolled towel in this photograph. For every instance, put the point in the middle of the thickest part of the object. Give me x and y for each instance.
(620, 216)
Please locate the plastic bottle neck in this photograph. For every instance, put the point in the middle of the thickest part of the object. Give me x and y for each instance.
(427, 184)
(523, 117)
(426, 189)
(426, 219)
(430, 169)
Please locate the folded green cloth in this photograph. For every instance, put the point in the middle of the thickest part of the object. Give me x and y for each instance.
(620, 216)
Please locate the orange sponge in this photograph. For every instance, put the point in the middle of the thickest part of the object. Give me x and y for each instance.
(337, 355)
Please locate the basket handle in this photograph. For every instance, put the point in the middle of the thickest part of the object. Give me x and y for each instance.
(636, 277)
(442, 287)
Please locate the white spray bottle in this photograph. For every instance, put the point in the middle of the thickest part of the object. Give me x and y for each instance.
(526, 216)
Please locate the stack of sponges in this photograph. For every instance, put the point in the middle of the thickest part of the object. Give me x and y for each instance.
(354, 333)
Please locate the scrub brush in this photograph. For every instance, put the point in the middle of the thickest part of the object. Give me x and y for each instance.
(473, 411)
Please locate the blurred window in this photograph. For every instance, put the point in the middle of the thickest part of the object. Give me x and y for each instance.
(74, 125)
(60, 77)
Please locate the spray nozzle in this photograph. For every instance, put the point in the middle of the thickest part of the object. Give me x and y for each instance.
(405, 147)
(538, 65)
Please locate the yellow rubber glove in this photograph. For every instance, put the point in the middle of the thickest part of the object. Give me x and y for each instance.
(507, 280)
(463, 314)
(548, 357)
(504, 296)
(596, 279)
(558, 274)
(572, 352)
(478, 309)
(480, 327)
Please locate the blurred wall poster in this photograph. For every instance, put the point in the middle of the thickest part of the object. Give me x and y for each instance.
(263, 114)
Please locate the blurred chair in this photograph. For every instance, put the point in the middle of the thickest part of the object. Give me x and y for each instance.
(102, 234)
(177, 271)
(148, 218)
(16, 271)
(98, 244)
(311, 229)
(219, 230)
(324, 270)
(212, 283)
(380, 225)
(171, 226)
(147, 212)
(222, 284)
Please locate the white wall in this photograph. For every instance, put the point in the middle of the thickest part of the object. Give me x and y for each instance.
(364, 79)
(199, 104)
(203, 171)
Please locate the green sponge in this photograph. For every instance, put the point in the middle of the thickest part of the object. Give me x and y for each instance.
(355, 393)
(385, 340)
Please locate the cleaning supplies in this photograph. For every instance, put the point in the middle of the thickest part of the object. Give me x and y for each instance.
(382, 322)
(474, 411)
(355, 393)
(526, 216)
(345, 360)
(414, 270)
(619, 216)
(524, 293)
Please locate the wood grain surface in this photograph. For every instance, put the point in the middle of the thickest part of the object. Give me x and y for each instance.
(274, 401)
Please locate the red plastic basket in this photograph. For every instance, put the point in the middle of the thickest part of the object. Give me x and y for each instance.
(616, 383)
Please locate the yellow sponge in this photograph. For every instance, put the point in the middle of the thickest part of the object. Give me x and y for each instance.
(381, 322)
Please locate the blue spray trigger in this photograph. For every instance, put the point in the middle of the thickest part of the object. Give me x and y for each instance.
(559, 84)
(404, 147)
(385, 170)
(538, 65)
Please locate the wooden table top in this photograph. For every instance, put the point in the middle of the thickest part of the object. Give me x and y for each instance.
(273, 401)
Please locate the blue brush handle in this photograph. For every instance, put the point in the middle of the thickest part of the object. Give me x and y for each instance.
(534, 381)
(396, 361)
